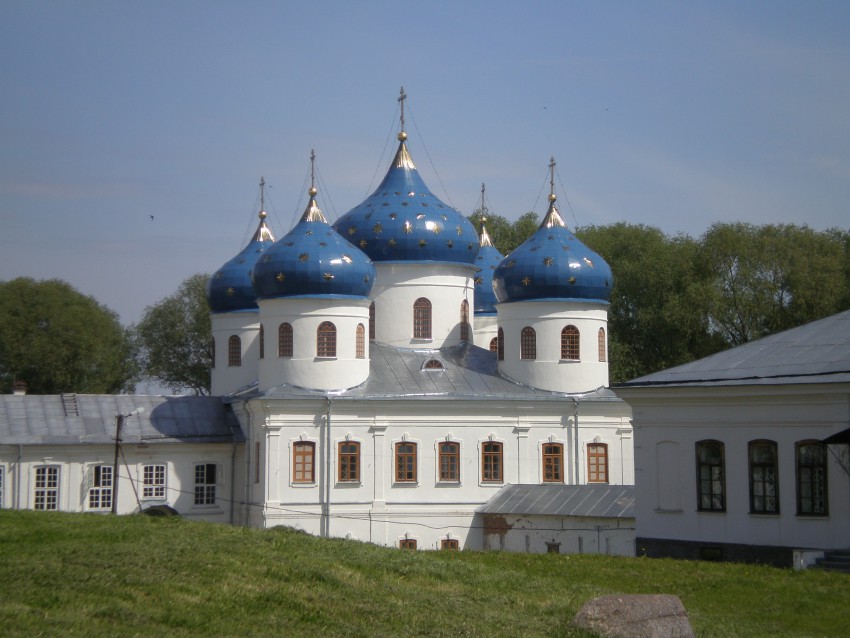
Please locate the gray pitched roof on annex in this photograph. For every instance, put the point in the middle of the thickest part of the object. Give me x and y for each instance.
(467, 372)
(817, 352)
(591, 501)
(91, 419)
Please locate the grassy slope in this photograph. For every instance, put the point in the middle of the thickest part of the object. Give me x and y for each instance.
(86, 575)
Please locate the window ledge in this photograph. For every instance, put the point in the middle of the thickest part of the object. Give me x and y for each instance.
(324, 359)
(570, 360)
(302, 483)
(405, 483)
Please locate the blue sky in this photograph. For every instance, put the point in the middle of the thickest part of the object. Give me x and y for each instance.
(671, 114)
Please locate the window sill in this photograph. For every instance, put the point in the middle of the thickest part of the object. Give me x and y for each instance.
(405, 483)
(349, 484)
(298, 484)
(570, 360)
(324, 359)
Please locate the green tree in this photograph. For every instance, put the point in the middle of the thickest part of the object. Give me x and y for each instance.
(657, 318)
(524, 227)
(500, 229)
(771, 278)
(58, 340)
(173, 339)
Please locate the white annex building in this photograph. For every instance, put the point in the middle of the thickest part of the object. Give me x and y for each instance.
(392, 374)
(743, 455)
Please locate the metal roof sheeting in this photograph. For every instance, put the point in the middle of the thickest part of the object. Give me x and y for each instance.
(817, 352)
(91, 419)
(469, 373)
(590, 501)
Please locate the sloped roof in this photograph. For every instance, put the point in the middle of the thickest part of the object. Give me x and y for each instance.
(91, 419)
(593, 501)
(468, 372)
(817, 352)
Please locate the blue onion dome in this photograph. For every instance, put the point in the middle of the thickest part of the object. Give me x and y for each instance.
(553, 264)
(404, 221)
(488, 258)
(312, 260)
(230, 288)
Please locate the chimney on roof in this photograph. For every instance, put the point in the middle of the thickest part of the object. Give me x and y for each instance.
(19, 388)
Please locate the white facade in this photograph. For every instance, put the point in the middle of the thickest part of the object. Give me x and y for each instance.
(378, 504)
(729, 457)
(241, 328)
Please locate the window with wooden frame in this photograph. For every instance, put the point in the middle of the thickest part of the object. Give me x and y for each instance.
(491, 462)
(407, 543)
(284, 340)
(422, 319)
(449, 458)
(326, 340)
(464, 320)
(303, 462)
(405, 462)
(711, 477)
(500, 344)
(812, 495)
(494, 344)
(597, 462)
(348, 461)
(153, 481)
(46, 488)
(553, 463)
(449, 544)
(764, 477)
(570, 343)
(603, 345)
(206, 478)
(528, 343)
(360, 342)
(262, 342)
(100, 490)
(372, 321)
(234, 351)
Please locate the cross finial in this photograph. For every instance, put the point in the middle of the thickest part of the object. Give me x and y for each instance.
(402, 96)
(552, 196)
(313, 190)
(262, 193)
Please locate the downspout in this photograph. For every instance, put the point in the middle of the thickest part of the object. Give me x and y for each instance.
(18, 480)
(575, 439)
(326, 505)
(232, 480)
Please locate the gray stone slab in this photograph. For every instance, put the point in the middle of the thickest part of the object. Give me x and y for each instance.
(636, 616)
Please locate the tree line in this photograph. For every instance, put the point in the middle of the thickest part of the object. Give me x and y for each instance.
(675, 299)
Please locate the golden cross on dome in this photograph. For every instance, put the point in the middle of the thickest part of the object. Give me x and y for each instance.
(402, 96)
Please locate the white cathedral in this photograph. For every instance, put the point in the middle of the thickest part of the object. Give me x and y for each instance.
(389, 378)
(392, 372)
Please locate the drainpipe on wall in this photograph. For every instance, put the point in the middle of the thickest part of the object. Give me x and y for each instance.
(232, 481)
(575, 438)
(20, 474)
(326, 505)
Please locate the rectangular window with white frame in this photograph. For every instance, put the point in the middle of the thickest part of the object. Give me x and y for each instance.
(205, 483)
(153, 482)
(46, 488)
(100, 487)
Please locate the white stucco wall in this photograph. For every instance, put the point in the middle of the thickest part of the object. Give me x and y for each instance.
(246, 326)
(668, 423)
(399, 284)
(547, 370)
(377, 508)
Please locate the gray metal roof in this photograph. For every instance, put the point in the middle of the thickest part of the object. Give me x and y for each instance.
(469, 373)
(593, 501)
(817, 352)
(91, 419)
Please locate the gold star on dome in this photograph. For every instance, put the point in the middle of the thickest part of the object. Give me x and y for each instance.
(352, 230)
(391, 243)
(479, 281)
(548, 261)
(408, 228)
(422, 243)
(377, 228)
(588, 262)
(436, 229)
(280, 277)
(526, 281)
(346, 259)
(450, 244)
(328, 276)
(459, 229)
(303, 256)
(363, 243)
(572, 280)
(230, 292)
